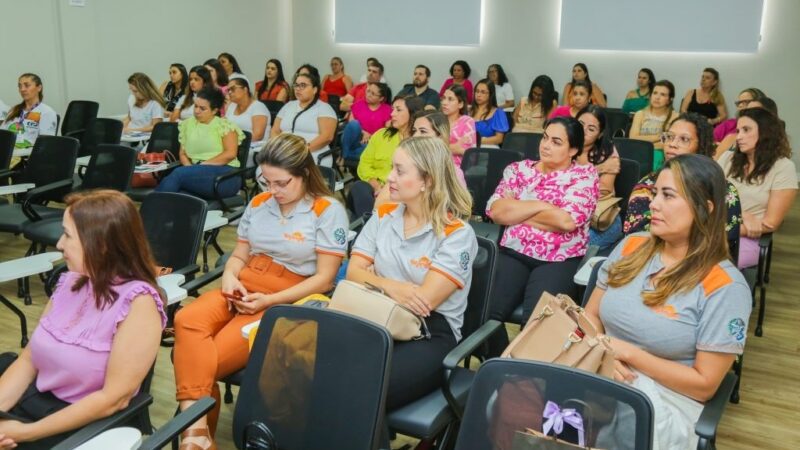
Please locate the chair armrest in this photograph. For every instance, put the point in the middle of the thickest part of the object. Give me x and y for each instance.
(591, 252)
(5, 173)
(187, 271)
(120, 418)
(193, 286)
(322, 155)
(35, 193)
(235, 214)
(706, 426)
(240, 172)
(764, 241)
(77, 134)
(177, 424)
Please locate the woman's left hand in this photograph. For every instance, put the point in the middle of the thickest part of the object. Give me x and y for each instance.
(365, 137)
(623, 352)
(11, 431)
(252, 303)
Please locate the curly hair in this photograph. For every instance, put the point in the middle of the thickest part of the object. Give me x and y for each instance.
(772, 145)
(704, 130)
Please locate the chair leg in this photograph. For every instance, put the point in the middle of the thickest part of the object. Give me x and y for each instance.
(26, 289)
(761, 310)
(228, 394)
(23, 321)
(769, 263)
(206, 243)
(737, 369)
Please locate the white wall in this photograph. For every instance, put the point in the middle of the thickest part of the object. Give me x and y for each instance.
(522, 35)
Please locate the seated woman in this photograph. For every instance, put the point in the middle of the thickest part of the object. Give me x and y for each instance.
(367, 116)
(743, 101)
(532, 111)
(638, 99)
(708, 100)
(581, 73)
(308, 69)
(230, 65)
(245, 111)
(654, 120)
(376, 161)
(764, 175)
(145, 105)
(605, 160)
(99, 334)
(459, 76)
(209, 148)
(433, 123)
(728, 143)
(218, 75)
(462, 127)
(31, 117)
(337, 82)
(172, 90)
(546, 207)
(580, 95)
(689, 133)
(673, 305)
(273, 86)
(199, 78)
(502, 88)
(419, 250)
(491, 122)
(291, 241)
(308, 117)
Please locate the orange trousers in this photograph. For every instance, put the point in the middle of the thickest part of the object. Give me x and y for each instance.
(208, 336)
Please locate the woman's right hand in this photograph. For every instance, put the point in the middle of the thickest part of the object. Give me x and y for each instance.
(408, 295)
(751, 226)
(231, 284)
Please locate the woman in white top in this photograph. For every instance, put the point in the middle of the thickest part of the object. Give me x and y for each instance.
(145, 105)
(30, 118)
(307, 117)
(245, 111)
(502, 88)
(654, 120)
(199, 77)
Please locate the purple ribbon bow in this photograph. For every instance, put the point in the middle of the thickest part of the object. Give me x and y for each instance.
(556, 417)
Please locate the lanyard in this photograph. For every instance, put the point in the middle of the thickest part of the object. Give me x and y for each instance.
(24, 114)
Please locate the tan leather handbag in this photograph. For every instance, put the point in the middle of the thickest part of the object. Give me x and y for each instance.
(559, 332)
(371, 303)
(606, 211)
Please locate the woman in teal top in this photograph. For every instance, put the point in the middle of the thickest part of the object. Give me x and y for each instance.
(209, 147)
(639, 98)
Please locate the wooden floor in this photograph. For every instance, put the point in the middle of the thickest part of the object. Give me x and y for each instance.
(767, 417)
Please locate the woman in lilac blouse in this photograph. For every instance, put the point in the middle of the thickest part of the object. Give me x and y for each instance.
(546, 206)
(98, 335)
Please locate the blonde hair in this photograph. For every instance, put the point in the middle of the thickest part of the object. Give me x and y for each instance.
(701, 182)
(146, 87)
(445, 200)
(290, 153)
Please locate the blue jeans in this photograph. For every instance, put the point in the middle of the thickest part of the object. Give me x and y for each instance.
(351, 141)
(607, 238)
(198, 180)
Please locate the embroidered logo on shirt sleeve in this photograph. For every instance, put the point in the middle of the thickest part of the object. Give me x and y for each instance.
(340, 236)
(464, 261)
(736, 328)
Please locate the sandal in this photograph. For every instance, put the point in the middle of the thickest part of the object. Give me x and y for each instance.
(197, 432)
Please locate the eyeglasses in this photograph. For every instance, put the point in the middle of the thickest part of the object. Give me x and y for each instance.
(739, 103)
(275, 186)
(681, 141)
(300, 86)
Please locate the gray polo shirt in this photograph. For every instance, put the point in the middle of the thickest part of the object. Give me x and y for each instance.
(315, 226)
(711, 317)
(382, 241)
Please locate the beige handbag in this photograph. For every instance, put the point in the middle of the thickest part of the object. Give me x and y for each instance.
(559, 332)
(369, 302)
(606, 211)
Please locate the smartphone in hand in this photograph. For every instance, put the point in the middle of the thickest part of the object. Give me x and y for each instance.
(236, 295)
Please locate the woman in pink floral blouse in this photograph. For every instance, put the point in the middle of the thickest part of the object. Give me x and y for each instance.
(546, 206)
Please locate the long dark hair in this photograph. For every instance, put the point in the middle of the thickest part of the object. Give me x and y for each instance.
(16, 111)
(492, 98)
(549, 94)
(703, 129)
(585, 69)
(502, 78)
(414, 104)
(385, 91)
(600, 150)
(222, 76)
(279, 79)
(205, 75)
(461, 94)
(171, 91)
(772, 145)
(651, 78)
(232, 59)
(214, 97)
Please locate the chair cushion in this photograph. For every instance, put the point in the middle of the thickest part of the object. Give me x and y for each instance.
(13, 220)
(516, 316)
(47, 231)
(427, 417)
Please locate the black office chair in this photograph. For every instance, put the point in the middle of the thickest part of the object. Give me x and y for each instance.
(78, 115)
(636, 150)
(274, 107)
(163, 138)
(230, 204)
(618, 124)
(7, 141)
(360, 199)
(624, 183)
(525, 143)
(110, 167)
(483, 169)
(508, 396)
(436, 415)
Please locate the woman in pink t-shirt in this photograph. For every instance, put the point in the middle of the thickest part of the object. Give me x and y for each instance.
(459, 76)
(99, 334)
(367, 116)
(462, 127)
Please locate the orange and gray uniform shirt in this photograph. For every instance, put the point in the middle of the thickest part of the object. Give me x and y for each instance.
(315, 226)
(711, 317)
(383, 242)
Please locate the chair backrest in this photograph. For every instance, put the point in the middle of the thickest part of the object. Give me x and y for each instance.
(590, 285)
(510, 119)
(173, 224)
(78, 114)
(7, 141)
(274, 107)
(244, 149)
(636, 150)
(625, 181)
(618, 123)
(316, 379)
(508, 396)
(329, 175)
(164, 137)
(52, 159)
(336, 102)
(99, 131)
(360, 199)
(483, 169)
(110, 167)
(525, 143)
(480, 292)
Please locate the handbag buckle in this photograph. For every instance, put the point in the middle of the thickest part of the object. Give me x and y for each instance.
(426, 333)
(372, 287)
(573, 338)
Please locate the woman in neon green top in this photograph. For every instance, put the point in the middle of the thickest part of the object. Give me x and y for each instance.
(638, 99)
(376, 160)
(209, 147)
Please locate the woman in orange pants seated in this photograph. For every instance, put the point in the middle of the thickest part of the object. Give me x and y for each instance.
(291, 241)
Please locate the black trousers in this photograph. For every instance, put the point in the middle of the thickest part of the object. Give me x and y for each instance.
(417, 365)
(521, 279)
(33, 406)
